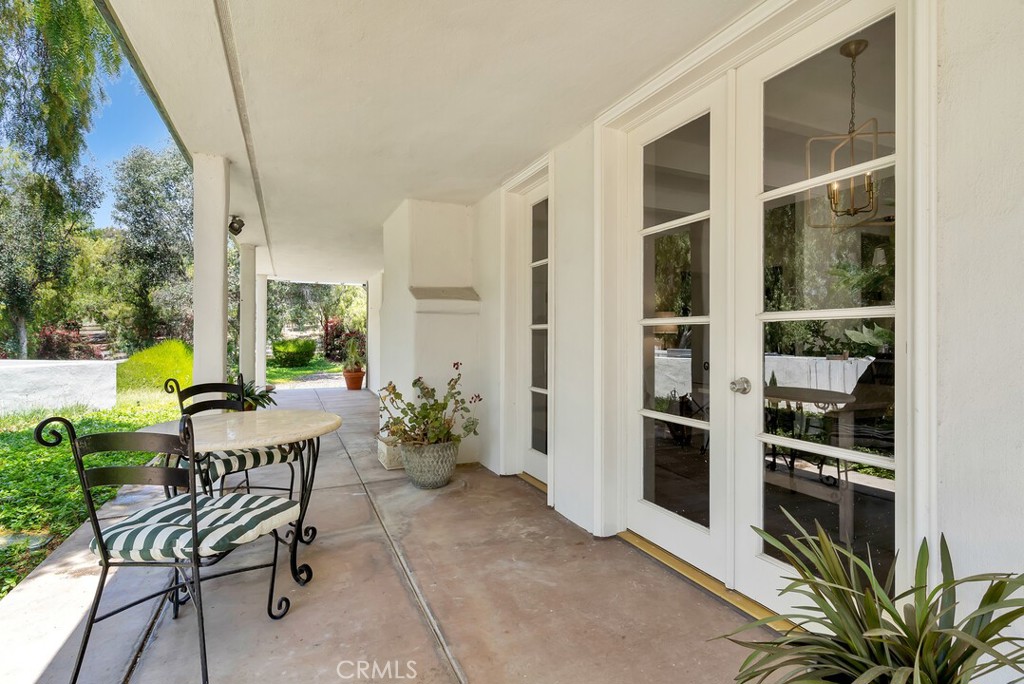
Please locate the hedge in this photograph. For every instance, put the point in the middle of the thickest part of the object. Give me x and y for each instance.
(294, 353)
(147, 369)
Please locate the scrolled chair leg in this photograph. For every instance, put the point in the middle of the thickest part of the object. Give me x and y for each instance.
(283, 604)
(302, 574)
(89, 621)
(194, 587)
(178, 595)
(172, 594)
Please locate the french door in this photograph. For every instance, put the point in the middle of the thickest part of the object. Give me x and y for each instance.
(819, 283)
(765, 319)
(538, 332)
(678, 481)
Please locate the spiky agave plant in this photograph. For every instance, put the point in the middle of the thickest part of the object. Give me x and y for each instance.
(857, 630)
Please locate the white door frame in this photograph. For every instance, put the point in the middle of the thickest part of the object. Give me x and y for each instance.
(754, 34)
(518, 195)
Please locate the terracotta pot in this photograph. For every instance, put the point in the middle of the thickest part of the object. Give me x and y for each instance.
(354, 379)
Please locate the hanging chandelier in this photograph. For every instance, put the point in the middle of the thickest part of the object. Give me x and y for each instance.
(854, 197)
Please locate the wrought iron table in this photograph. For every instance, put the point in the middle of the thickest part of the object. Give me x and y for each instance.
(296, 429)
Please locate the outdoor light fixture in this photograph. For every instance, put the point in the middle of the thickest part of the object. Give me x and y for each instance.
(235, 225)
(850, 197)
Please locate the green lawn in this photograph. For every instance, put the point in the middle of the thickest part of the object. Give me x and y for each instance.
(278, 374)
(39, 490)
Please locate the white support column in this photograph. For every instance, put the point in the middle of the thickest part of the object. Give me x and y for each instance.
(247, 311)
(210, 283)
(261, 330)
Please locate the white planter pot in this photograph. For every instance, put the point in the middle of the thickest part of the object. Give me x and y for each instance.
(390, 455)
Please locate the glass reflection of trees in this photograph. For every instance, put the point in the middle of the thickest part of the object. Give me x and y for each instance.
(814, 268)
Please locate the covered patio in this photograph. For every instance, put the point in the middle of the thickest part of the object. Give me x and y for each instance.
(479, 581)
(567, 197)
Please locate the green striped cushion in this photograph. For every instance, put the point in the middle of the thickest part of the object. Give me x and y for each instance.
(220, 463)
(164, 532)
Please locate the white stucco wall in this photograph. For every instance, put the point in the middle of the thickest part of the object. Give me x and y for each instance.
(980, 283)
(397, 304)
(572, 272)
(26, 385)
(430, 245)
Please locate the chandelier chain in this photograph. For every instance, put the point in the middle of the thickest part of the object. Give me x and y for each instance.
(853, 95)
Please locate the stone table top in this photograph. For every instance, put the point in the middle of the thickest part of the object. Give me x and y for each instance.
(247, 429)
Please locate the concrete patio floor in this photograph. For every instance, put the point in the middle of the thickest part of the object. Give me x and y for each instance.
(475, 582)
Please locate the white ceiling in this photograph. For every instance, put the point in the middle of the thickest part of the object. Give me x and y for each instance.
(350, 106)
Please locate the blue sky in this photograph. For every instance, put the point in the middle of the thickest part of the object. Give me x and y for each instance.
(126, 120)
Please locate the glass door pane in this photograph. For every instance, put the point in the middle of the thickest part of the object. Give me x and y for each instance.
(810, 108)
(828, 323)
(676, 324)
(677, 173)
(539, 338)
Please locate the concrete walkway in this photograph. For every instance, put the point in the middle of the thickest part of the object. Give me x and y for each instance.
(476, 582)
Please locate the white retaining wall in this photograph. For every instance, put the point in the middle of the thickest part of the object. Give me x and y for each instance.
(26, 385)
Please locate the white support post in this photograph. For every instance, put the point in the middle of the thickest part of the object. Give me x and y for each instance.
(210, 284)
(247, 311)
(261, 330)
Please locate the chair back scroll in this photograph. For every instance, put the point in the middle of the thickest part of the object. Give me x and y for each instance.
(222, 393)
(180, 445)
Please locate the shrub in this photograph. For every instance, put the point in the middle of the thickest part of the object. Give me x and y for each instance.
(64, 343)
(334, 344)
(149, 368)
(294, 353)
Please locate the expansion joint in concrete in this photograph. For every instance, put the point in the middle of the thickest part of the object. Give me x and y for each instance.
(403, 563)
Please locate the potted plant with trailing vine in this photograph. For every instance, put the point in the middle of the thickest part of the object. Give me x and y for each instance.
(428, 429)
(354, 360)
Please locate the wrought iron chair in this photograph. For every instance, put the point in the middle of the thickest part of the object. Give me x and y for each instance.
(166, 534)
(231, 397)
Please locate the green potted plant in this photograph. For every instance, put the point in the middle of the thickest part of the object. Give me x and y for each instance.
(256, 397)
(428, 430)
(855, 628)
(354, 361)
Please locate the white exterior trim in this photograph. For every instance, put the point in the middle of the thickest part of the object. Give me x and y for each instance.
(247, 311)
(514, 342)
(918, 29)
(261, 330)
(735, 44)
